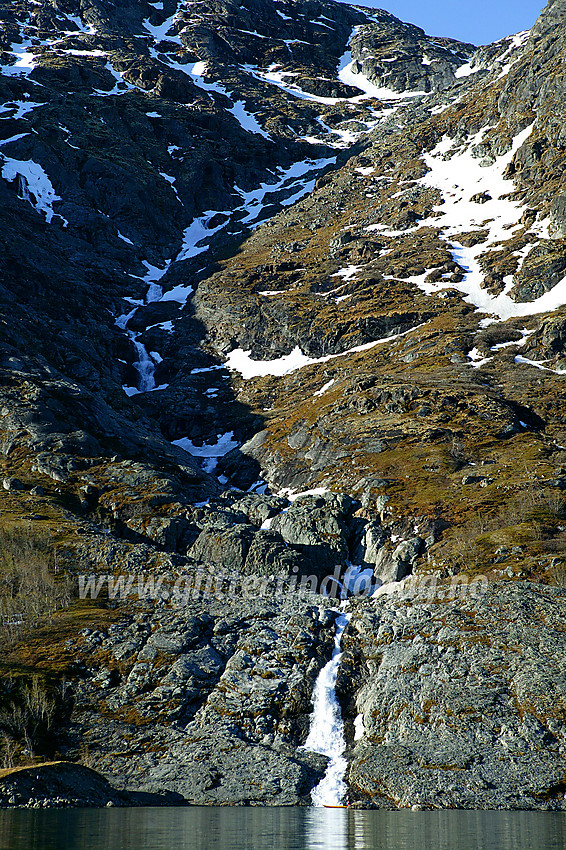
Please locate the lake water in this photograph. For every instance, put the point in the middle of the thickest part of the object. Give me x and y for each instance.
(278, 829)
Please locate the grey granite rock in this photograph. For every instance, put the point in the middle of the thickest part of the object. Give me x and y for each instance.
(220, 694)
(226, 548)
(316, 526)
(557, 226)
(58, 785)
(463, 699)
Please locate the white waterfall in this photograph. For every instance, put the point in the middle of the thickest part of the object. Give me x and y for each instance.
(326, 734)
(145, 367)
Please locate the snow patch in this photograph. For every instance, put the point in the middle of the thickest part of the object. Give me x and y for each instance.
(25, 59)
(95, 53)
(209, 452)
(459, 177)
(465, 70)
(121, 87)
(246, 120)
(283, 80)
(347, 273)
(161, 31)
(240, 360)
(526, 334)
(87, 30)
(179, 293)
(325, 387)
(299, 176)
(476, 358)
(154, 273)
(350, 77)
(391, 587)
(15, 138)
(22, 107)
(292, 495)
(359, 730)
(538, 365)
(34, 186)
(197, 231)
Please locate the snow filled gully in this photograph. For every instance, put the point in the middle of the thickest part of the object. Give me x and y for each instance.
(326, 735)
(289, 184)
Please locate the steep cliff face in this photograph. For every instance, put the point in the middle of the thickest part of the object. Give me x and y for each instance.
(457, 701)
(250, 250)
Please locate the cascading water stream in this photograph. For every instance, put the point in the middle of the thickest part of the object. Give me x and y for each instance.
(145, 367)
(326, 735)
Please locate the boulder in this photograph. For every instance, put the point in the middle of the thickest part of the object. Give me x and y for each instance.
(316, 526)
(57, 785)
(12, 484)
(393, 565)
(226, 549)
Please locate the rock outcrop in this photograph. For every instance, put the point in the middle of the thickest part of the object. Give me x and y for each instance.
(214, 696)
(462, 698)
(282, 316)
(58, 785)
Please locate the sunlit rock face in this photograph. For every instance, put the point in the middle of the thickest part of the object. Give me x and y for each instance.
(282, 305)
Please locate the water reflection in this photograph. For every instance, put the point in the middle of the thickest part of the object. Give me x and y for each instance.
(458, 830)
(359, 829)
(205, 828)
(279, 829)
(326, 829)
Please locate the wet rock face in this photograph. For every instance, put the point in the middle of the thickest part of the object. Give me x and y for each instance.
(462, 700)
(226, 695)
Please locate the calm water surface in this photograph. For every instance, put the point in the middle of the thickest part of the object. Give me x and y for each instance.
(278, 829)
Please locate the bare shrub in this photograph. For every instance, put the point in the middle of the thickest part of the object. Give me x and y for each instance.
(532, 505)
(539, 511)
(29, 585)
(31, 709)
(558, 575)
(8, 751)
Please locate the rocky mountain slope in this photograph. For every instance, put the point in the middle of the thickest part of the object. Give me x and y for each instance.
(283, 307)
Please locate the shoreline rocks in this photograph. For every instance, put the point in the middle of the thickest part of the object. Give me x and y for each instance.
(463, 700)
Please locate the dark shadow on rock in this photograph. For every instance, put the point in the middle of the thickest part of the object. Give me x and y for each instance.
(144, 798)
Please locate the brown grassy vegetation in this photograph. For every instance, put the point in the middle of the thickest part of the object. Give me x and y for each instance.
(527, 529)
(32, 589)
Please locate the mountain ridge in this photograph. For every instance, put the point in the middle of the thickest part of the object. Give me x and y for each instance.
(282, 292)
